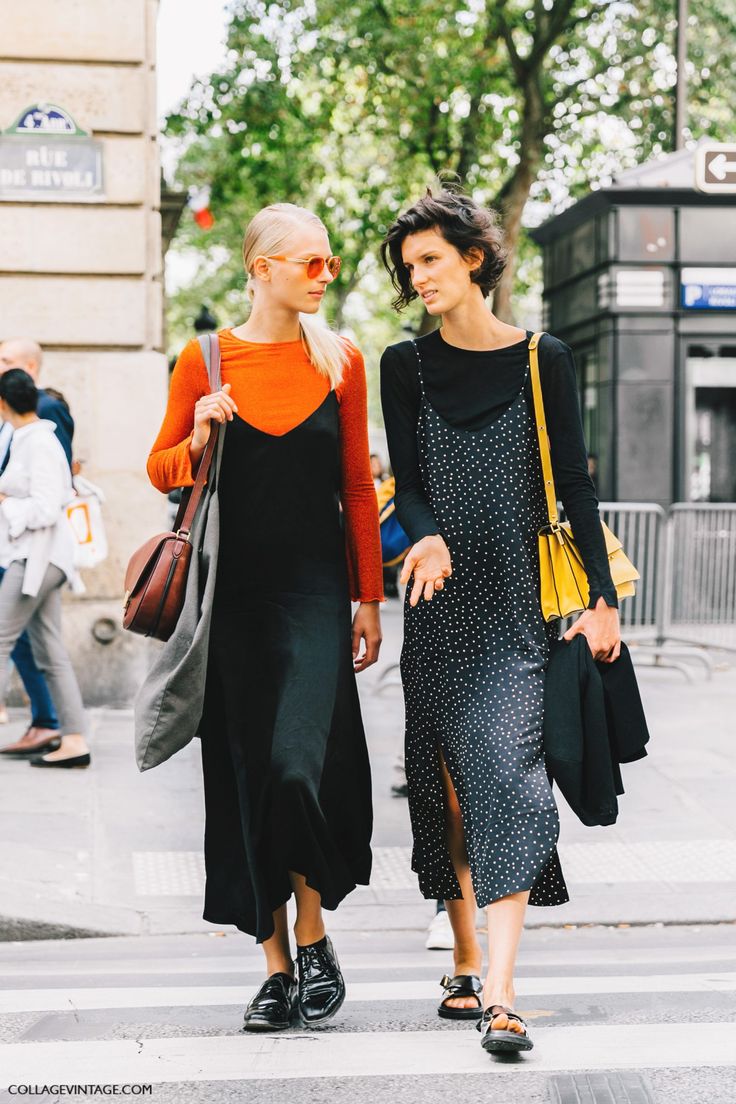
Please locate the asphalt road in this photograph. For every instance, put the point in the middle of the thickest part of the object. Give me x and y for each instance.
(625, 1015)
(630, 993)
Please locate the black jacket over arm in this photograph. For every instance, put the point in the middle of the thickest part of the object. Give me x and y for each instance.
(593, 721)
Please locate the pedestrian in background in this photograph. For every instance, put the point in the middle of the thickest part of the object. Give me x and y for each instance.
(43, 731)
(37, 557)
(286, 774)
(377, 470)
(593, 469)
(463, 443)
(23, 352)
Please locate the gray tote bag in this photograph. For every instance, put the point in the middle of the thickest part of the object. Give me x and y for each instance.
(168, 706)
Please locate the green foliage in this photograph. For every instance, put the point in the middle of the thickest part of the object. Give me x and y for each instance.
(352, 109)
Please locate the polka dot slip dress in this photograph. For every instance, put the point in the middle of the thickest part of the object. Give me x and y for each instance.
(473, 664)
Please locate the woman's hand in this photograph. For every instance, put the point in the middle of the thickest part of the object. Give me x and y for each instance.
(601, 629)
(429, 562)
(218, 406)
(367, 627)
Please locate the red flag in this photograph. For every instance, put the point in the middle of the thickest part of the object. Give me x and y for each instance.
(199, 201)
(204, 218)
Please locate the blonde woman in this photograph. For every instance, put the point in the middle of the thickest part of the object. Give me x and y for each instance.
(286, 774)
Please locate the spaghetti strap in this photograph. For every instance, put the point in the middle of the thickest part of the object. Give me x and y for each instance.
(419, 369)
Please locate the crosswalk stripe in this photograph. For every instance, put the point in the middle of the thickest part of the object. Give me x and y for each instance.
(363, 1054)
(65, 1000)
(237, 965)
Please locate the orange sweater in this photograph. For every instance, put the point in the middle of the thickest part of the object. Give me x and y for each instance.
(275, 388)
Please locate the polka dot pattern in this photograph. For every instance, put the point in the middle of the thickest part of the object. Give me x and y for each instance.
(473, 665)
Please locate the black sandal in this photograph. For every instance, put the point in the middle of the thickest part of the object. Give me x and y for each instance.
(496, 1041)
(464, 985)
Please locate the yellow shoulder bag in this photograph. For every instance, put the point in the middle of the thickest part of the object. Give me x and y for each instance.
(563, 583)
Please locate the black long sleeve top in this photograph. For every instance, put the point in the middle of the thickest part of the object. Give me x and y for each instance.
(470, 389)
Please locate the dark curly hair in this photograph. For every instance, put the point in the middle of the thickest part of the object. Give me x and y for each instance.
(463, 223)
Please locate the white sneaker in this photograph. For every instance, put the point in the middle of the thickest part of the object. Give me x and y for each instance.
(439, 933)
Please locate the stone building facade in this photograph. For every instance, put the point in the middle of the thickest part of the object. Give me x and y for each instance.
(83, 276)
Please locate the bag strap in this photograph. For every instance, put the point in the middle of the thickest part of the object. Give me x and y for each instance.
(209, 343)
(544, 453)
(210, 346)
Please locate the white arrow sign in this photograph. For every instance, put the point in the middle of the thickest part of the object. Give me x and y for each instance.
(720, 166)
(715, 167)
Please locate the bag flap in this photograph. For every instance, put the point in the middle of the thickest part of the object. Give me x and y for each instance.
(613, 544)
(621, 567)
(142, 560)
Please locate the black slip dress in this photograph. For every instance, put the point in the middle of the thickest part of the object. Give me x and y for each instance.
(286, 773)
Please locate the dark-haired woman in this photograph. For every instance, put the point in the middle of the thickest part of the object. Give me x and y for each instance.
(461, 433)
(37, 554)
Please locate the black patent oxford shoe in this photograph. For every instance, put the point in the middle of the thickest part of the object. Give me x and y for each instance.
(321, 984)
(272, 1008)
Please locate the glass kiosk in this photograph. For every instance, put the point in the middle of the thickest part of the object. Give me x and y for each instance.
(641, 282)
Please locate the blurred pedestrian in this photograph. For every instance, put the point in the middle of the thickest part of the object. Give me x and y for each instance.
(394, 544)
(286, 774)
(43, 731)
(37, 555)
(378, 470)
(440, 936)
(593, 469)
(462, 438)
(23, 352)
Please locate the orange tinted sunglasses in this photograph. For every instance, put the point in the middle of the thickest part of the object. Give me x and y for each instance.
(314, 264)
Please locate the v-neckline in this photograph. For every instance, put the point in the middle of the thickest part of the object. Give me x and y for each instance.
(299, 425)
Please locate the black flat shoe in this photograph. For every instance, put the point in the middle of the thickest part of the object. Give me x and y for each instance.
(71, 761)
(321, 984)
(272, 1008)
(464, 985)
(503, 1040)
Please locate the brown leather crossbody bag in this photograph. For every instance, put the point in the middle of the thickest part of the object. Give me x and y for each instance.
(156, 578)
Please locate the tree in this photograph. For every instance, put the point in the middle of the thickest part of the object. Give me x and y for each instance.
(354, 109)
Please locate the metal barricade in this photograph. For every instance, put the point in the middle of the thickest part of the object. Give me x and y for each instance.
(642, 529)
(685, 601)
(701, 595)
(646, 534)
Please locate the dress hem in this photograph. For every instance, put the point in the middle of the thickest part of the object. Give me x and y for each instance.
(330, 905)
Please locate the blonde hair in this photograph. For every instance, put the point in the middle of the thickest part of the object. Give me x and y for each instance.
(268, 233)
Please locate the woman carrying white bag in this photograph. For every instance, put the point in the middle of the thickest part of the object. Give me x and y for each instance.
(37, 551)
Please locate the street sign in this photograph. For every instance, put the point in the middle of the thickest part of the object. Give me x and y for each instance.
(708, 288)
(715, 167)
(44, 156)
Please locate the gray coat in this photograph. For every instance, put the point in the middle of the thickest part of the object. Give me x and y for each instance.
(168, 706)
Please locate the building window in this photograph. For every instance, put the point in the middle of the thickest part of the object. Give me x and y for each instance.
(646, 234)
